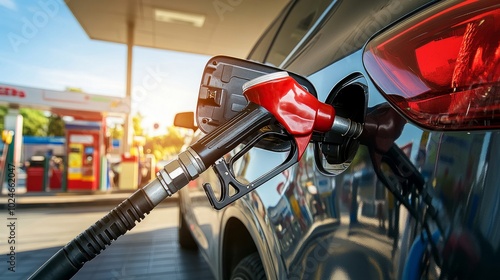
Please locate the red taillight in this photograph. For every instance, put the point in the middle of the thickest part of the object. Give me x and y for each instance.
(441, 67)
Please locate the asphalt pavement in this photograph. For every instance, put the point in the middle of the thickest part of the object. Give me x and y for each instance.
(148, 251)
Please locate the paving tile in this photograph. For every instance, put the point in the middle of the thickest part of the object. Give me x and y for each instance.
(150, 251)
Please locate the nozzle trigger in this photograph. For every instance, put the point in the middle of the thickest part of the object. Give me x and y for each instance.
(227, 179)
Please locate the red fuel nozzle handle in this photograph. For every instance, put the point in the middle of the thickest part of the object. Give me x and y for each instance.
(273, 97)
(298, 111)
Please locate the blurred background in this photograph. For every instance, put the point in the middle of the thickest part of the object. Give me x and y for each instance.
(120, 69)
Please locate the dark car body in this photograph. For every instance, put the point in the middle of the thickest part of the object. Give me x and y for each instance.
(307, 225)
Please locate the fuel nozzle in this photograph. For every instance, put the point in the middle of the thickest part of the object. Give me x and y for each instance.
(296, 109)
(281, 100)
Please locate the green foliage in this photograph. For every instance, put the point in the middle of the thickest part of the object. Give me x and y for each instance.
(165, 145)
(137, 124)
(56, 126)
(161, 146)
(116, 132)
(34, 122)
(3, 112)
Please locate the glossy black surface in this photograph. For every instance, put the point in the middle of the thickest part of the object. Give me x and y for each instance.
(305, 225)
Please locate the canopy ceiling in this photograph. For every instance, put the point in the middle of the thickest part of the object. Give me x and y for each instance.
(209, 27)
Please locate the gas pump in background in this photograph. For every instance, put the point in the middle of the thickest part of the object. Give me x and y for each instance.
(135, 169)
(81, 161)
(83, 155)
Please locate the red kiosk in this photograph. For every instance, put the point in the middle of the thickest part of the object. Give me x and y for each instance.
(83, 150)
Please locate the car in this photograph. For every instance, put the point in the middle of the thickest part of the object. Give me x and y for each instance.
(420, 198)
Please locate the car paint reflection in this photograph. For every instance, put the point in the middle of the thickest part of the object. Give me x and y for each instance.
(307, 216)
(325, 231)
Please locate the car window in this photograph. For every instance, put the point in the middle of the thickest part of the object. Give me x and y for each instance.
(260, 50)
(298, 22)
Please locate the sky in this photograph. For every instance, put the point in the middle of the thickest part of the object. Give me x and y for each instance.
(49, 49)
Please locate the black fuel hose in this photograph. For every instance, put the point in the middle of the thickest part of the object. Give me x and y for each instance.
(87, 245)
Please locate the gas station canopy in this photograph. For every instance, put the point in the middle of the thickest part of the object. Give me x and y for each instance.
(210, 27)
